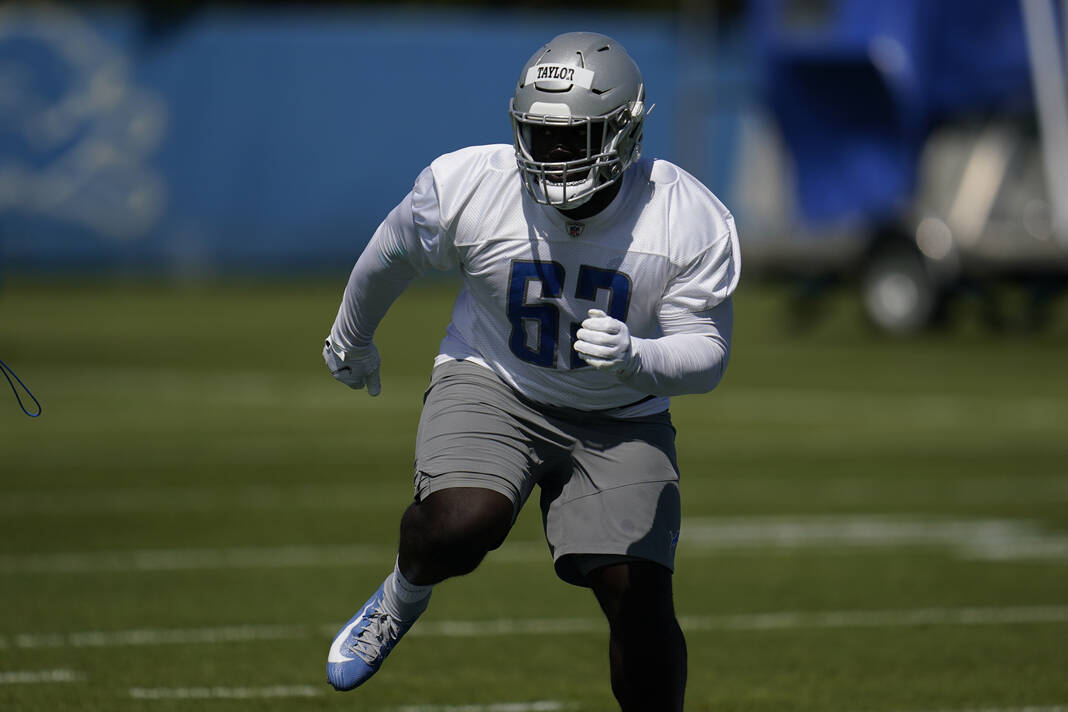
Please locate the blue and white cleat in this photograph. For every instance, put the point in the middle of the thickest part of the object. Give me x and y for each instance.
(362, 644)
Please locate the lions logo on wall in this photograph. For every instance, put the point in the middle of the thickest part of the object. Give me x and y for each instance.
(75, 133)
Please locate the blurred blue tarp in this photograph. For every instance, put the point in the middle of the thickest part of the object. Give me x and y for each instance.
(857, 85)
(277, 138)
(254, 138)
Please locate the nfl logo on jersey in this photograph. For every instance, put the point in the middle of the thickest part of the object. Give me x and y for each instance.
(574, 229)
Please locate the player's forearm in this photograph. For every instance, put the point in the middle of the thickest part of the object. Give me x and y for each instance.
(368, 296)
(692, 355)
(679, 364)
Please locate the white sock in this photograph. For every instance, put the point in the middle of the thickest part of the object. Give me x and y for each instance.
(404, 599)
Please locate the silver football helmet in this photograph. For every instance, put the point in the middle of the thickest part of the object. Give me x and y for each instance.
(577, 117)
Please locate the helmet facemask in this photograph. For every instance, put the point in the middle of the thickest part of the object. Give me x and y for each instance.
(577, 116)
(565, 159)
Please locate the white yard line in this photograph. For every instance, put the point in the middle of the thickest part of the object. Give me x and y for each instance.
(160, 636)
(787, 620)
(509, 626)
(224, 693)
(305, 691)
(193, 559)
(989, 539)
(266, 496)
(781, 620)
(970, 539)
(244, 388)
(923, 409)
(25, 677)
(293, 691)
(1040, 708)
(200, 498)
(538, 706)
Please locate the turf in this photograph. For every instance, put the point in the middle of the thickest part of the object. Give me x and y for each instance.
(871, 524)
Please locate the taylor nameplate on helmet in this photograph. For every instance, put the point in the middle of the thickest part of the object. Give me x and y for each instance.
(559, 74)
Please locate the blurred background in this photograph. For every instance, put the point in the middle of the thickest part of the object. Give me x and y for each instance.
(875, 500)
(911, 149)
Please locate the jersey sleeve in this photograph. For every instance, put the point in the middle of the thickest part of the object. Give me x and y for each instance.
(436, 246)
(696, 314)
(709, 277)
(408, 243)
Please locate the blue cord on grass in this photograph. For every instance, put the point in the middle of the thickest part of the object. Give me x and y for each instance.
(9, 373)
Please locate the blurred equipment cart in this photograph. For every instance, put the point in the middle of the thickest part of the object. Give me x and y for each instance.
(928, 148)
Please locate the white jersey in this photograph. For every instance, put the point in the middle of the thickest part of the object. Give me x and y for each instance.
(664, 248)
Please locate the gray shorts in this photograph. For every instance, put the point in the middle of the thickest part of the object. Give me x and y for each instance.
(609, 486)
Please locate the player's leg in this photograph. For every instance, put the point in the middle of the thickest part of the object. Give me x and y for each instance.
(612, 524)
(647, 650)
(459, 515)
(445, 535)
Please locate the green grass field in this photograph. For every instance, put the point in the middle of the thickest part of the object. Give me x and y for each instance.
(870, 524)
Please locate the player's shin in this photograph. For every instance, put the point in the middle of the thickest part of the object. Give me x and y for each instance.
(404, 599)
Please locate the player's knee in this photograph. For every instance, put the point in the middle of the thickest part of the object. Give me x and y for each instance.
(467, 540)
(641, 589)
(459, 527)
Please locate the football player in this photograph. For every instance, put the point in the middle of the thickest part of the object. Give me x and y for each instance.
(596, 284)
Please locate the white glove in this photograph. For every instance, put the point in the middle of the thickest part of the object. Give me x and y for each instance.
(605, 344)
(356, 368)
